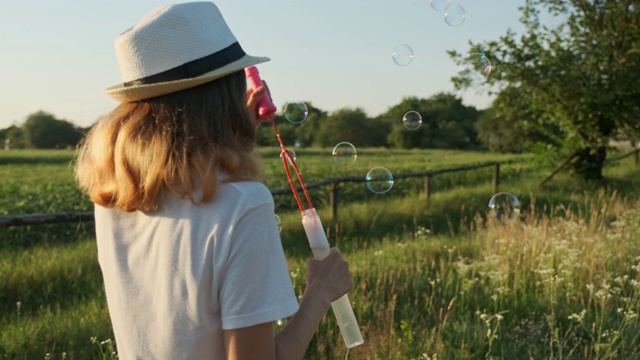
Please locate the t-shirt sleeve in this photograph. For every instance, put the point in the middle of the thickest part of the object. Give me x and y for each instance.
(256, 286)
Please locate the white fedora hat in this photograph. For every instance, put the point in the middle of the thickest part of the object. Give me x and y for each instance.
(176, 47)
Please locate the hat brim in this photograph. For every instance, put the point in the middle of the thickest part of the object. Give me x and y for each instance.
(124, 93)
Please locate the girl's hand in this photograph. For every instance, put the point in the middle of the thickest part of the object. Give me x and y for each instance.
(253, 97)
(329, 278)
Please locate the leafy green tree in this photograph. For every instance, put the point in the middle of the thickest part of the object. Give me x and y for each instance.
(15, 135)
(301, 134)
(446, 123)
(266, 135)
(577, 66)
(346, 124)
(306, 131)
(508, 126)
(43, 131)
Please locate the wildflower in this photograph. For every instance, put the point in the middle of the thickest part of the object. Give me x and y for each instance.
(578, 317)
(630, 315)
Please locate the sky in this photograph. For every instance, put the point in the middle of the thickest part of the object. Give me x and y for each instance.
(58, 55)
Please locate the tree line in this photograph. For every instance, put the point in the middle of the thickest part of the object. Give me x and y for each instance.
(42, 130)
(564, 88)
(447, 124)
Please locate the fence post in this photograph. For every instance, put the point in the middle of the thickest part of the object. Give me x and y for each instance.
(427, 187)
(333, 199)
(496, 178)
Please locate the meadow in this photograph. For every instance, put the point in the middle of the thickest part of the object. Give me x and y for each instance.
(433, 280)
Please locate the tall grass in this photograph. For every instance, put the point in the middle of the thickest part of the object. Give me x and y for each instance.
(542, 287)
(436, 280)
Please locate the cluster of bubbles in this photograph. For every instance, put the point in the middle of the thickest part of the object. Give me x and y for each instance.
(503, 206)
(379, 179)
(454, 14)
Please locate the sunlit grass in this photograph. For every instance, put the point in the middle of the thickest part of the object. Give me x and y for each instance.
(433, 279)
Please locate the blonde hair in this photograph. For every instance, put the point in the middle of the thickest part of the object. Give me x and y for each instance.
(176, 142)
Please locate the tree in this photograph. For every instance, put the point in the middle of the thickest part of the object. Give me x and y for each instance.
(508, 126)
(578, 72)
(346, 124)
(14, 134)
(266, 136)
(43, 131)
(301, 134)
(446, 123)
(306, 131)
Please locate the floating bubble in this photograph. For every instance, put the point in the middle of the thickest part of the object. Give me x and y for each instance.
(278, 222)
(344, 154)
(412, 120)
(291, 153)
(504, 207)
(475, 62)
(455, 15)
(296, 112)
(439, 5)
(403, 55)
(379, 180)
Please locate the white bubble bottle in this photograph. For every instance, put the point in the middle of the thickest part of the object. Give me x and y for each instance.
(341, 307)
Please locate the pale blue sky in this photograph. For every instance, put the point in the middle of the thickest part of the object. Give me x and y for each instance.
(57, 55)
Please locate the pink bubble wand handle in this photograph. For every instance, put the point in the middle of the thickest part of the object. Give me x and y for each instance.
(266, 108)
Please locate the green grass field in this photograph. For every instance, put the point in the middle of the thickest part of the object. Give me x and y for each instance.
(434, 280)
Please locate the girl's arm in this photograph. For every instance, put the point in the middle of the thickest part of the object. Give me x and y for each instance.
(327, 280)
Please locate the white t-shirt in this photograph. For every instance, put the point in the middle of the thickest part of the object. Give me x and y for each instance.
(176, 277)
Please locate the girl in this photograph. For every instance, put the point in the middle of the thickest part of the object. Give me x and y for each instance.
(188, 244)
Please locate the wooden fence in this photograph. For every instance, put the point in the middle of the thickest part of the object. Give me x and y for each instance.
(55, 218)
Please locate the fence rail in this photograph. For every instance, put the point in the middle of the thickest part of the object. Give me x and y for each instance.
(56, 218)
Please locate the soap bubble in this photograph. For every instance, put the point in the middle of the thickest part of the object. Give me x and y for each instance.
(291, 153)
(403, 55)
(439, 5)
(278, 222)
(412, 120)
(344, 154)
(379, 180)
(504, 207)
(455, 15)
(475, 62)
(296, 112)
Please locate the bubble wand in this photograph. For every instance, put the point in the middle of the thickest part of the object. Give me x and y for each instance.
(310, 220)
